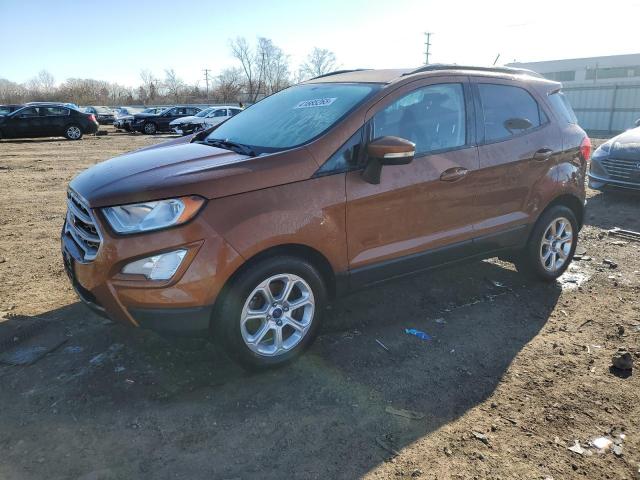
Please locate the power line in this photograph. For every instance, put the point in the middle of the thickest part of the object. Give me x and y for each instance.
(206, 80)
(427, 45)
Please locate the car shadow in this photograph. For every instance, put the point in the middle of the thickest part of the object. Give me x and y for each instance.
(34, 140)
(189, 409)
(614, 208)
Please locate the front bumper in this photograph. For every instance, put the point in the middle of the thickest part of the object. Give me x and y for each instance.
(106, 120)
(184, 129)
(601, 182)
(182, 305)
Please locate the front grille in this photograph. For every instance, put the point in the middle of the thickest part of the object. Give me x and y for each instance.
(622, 169)
(81, 227)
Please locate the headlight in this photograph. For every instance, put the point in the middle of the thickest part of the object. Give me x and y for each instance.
(602, 151)
(147, 216)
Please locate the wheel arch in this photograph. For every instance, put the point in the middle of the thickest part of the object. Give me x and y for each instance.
(304, 252)
(572, 202)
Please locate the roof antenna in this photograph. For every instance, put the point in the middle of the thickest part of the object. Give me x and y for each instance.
(496, 60)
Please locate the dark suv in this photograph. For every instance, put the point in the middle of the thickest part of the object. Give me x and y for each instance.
(47, 120)
(245, 231)
(151, 123)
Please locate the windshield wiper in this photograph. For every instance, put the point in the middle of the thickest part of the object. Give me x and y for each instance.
(233, 146)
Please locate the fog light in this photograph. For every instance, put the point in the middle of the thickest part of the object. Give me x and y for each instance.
(158, 267)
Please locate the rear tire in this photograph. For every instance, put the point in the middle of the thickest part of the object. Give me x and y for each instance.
(149, 128)
(551, 245)
(271, 312)
(73, 132)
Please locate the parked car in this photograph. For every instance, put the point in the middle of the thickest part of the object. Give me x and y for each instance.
(208, 117)
(7, 109)
(150, 123)
(104, 115)
(343, 181)
(123, 117)
(65, 104)
(616, 163)
(47, 120)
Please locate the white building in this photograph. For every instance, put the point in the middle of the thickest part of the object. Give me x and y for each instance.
(604, 91)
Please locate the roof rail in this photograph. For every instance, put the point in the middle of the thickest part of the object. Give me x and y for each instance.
(337, 72)
(452, 66)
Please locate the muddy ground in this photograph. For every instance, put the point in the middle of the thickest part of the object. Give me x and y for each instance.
(514, 374)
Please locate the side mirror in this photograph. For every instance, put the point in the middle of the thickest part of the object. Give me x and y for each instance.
(386, 151)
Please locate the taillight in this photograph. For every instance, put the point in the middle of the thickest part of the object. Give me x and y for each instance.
(92, 117)
(585, 149)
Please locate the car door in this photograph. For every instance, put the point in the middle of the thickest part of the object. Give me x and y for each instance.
(25, 123)
(418, 215)
(53, 120)
(515, 158)
(217, 116)
(167, 117)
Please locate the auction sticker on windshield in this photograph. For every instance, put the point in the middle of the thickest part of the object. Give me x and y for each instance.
(317, 102)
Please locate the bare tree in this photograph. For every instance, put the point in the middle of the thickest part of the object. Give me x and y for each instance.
(11, 92)
(228, 85)
(241, 50)
(319, 62)
(42, 85)
(275, 64)
(148, 89)
(173, 84)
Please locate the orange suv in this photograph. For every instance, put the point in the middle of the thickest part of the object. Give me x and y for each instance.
(246, 231)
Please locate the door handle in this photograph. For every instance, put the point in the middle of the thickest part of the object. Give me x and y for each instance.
(453, 174)
(543, 154)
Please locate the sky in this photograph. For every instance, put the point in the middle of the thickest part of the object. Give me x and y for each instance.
(114, 40)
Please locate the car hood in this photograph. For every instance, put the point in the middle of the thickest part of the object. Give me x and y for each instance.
(179, 121)
(179, 168)
(626, 145)
(144, 115)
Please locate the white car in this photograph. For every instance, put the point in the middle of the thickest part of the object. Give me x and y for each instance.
(208, 117)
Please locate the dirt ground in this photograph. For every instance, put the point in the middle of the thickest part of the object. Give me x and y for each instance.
(514, 374)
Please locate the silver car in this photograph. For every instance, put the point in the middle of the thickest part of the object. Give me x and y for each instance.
(616, 163)
(207, 118)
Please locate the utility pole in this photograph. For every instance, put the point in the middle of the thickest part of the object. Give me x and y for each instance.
(427, 45)
(206, 80)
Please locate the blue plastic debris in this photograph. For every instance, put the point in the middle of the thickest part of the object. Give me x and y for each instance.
(421, 335)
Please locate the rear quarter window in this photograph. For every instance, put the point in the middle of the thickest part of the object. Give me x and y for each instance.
(562, 107)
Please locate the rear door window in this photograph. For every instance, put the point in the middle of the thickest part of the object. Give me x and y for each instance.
(54, 111)
(432, 117)
(503, 109)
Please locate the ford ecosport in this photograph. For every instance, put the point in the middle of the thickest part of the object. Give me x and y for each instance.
(245, 231)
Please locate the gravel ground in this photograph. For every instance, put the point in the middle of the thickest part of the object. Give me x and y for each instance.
(515, 372)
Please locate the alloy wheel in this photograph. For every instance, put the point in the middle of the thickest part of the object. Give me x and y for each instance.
(74, 133)
(277, 315)
(556, 244)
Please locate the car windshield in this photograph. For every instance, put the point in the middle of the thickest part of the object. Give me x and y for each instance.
(205, 112)
(293, 116)
(102, 109)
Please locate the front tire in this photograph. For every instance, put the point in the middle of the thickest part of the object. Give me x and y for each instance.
(150, 128)
(551, 245)
(271, 312)
(73, 132)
